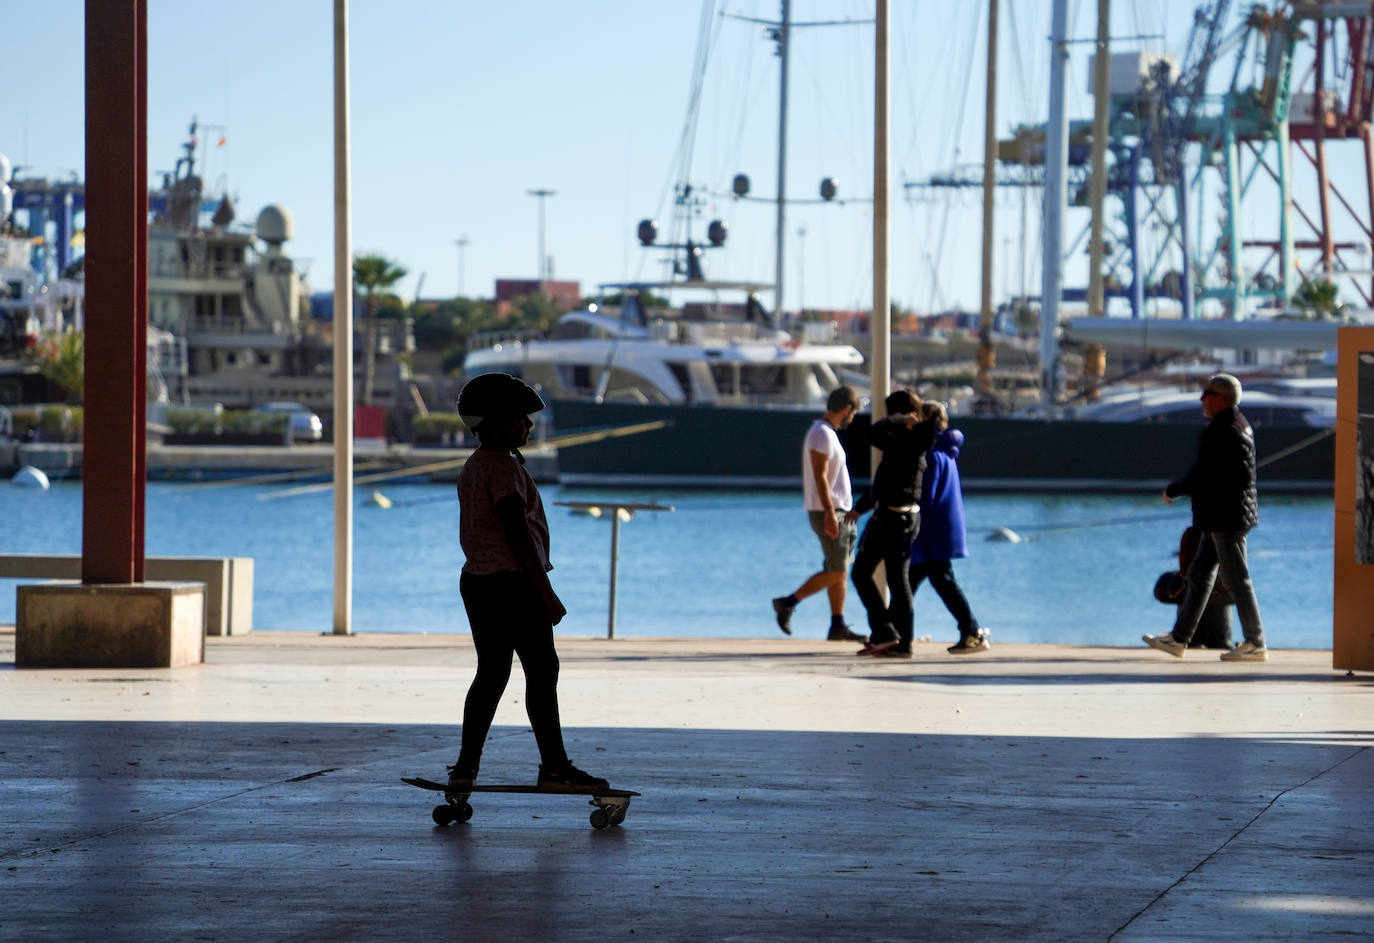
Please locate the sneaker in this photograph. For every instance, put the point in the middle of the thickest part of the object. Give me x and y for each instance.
(895, 651)
(460, 780)
(843, 633)
(971, 643)
(569, 777)
(783, 611)
(878, 648)
(1246, 651)
(1168, 644)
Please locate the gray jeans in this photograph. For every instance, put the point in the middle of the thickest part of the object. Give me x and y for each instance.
(1222, 551)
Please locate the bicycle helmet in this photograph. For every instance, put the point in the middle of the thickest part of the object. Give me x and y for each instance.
(496, 394)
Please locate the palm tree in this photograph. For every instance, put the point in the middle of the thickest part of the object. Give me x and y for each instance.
(61, 358)
(373, 274)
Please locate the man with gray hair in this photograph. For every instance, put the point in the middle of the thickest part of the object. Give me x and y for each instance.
(1225, 507)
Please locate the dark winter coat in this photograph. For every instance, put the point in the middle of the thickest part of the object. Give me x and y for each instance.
(1222, 481)
(942, 535)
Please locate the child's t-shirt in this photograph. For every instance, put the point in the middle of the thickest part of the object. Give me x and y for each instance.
(486, 478)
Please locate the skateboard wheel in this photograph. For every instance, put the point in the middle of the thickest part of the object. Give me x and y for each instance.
(600, 819)
(618, 815)
(462, 812)
(444, 815)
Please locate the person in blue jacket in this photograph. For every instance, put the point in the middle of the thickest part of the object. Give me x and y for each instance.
(942, 537)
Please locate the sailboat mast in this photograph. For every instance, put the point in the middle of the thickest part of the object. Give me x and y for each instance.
(784, 41)
(987, 352)
(1056, 199)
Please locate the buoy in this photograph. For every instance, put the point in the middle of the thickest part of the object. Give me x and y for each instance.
(30, 477)
(381, 500)
(1005, 535)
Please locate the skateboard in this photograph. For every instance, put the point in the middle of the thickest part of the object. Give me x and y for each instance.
(611, 804)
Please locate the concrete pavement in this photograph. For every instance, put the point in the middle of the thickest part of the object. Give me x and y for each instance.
(791, 790)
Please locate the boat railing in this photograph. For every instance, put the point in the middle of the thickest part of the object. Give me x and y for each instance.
(222, 324)
(718, 332)
(495, 340)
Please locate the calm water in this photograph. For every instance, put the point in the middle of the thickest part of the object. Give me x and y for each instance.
(1084, 575)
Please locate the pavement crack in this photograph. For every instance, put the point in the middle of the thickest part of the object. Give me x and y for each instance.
(1232, 837)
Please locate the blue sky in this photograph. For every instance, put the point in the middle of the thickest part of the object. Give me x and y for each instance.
(459, 108)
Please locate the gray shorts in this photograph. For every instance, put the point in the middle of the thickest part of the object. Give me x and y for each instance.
(839, 552)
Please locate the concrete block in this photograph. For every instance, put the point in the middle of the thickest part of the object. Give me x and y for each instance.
(122, 625)
(239, 597)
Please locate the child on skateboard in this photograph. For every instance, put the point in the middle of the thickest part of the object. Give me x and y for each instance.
(511, 605)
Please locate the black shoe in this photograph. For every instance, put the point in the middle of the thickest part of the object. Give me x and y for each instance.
(843, 633)
(895, 651)
(569, 777)
(783, 610)
(460, 780)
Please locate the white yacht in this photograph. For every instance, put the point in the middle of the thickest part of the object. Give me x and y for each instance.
(702, 353)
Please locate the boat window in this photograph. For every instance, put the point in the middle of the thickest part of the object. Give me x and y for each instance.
(683, 380)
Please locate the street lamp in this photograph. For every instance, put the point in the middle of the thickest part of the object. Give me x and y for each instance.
(542, 269)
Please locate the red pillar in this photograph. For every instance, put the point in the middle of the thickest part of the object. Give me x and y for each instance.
(114, 458)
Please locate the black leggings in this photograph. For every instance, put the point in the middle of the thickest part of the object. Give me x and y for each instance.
(507, 617)
(941, 576)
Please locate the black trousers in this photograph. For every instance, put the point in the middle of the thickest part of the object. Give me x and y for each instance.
(508, 618)
(887, 540)
(941, 576)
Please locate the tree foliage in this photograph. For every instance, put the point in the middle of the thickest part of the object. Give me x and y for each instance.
(61, 358)
(1319, 299)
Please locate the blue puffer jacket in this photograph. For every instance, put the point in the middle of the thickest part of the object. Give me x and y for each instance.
(941, 536)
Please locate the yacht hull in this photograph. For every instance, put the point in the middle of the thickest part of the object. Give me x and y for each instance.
(757, 447)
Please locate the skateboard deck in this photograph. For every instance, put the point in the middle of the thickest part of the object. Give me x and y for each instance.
(612, 805)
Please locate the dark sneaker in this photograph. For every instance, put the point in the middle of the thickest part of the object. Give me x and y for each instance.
(895, 651)
(971, 644)
(460, 780)
(1166, 643)
(569, 777)
(784, 613)
(843, 633)
(878, 648)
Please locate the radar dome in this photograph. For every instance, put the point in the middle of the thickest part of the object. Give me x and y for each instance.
(275, 225)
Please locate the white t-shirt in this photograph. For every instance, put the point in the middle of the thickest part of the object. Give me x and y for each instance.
(821, 438)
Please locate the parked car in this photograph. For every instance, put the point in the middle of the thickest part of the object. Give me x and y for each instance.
(305, 426)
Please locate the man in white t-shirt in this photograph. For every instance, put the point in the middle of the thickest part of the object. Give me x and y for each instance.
(828, 501)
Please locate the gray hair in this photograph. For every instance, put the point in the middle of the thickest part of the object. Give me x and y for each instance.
(1226, 386)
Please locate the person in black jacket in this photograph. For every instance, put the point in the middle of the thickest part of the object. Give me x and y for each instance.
(1225, 507)
(903, 438)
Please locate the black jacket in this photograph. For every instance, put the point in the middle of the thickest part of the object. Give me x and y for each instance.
(1222, 481)
(897, 482)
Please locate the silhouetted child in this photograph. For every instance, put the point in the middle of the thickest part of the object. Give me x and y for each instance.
(510, 603)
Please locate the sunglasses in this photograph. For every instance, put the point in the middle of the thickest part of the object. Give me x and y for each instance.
(1207, 393)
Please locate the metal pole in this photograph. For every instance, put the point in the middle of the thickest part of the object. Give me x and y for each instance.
(784, 40)
(543, 264)
(1233, 236)
(1056, 205)
(881, 324)
(615, 565)
(1323, 180)
(1102, 70)
(986, 353)
(462, 243)
(112, 513)
(343, 336)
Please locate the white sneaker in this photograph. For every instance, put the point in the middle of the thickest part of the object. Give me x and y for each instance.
(1166, 643)
(1246, 651)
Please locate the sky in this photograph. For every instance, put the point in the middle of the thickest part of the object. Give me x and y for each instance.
(460, 108)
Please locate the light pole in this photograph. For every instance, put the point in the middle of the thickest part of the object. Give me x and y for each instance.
(462, 243)
(543, 265)
(801, 271)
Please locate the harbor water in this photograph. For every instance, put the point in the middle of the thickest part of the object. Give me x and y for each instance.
(1082, 573)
